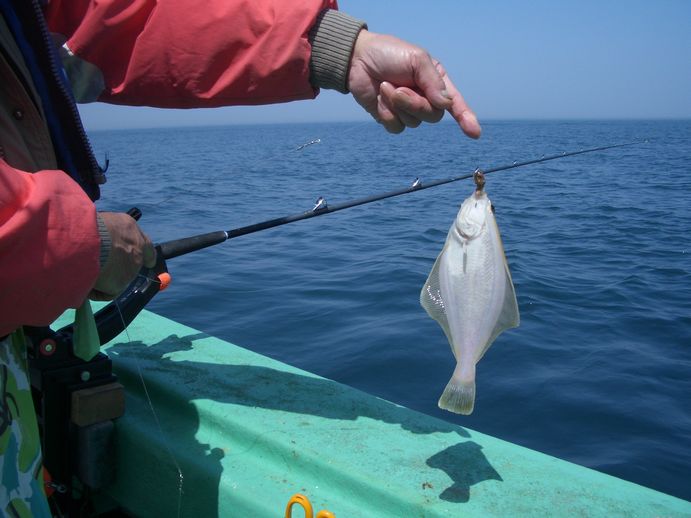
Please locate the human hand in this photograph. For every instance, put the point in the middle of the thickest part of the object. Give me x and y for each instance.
(130, 249)
(400, 85)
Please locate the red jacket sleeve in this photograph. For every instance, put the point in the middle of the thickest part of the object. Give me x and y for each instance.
(49, 246)
(187, 53)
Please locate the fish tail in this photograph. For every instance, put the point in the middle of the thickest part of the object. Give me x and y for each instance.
(458, 397)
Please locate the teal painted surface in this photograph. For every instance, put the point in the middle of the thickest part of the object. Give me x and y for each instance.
(247, 432)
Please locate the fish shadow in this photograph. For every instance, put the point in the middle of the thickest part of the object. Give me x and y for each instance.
(265, 387)
(466, 465)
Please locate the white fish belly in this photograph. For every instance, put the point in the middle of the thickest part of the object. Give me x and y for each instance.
(470, 294)
(472, 282)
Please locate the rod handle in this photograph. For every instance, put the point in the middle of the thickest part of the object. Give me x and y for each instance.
(135, 213)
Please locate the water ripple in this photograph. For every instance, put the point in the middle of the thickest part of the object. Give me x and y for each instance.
(599, 247)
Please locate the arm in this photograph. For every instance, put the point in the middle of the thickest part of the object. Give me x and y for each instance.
(184, 54)
(49, 246)
(143, 52)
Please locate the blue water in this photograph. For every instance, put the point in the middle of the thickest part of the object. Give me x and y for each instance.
(599, 245)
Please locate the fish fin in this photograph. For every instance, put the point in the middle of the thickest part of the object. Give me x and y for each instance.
(458, 397)
(432, 301)
(509, 316)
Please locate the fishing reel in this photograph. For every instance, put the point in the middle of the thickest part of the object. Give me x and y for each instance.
(77, 401)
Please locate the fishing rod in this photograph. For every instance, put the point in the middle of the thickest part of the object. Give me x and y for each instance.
(116, 316)
(58, 375)
(178, 247)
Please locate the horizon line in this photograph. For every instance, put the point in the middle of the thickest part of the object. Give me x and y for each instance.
(370, 121)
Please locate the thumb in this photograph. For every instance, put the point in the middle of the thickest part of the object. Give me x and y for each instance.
(149, 254)
(430, 81)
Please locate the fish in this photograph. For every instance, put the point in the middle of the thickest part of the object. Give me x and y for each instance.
(470, 294)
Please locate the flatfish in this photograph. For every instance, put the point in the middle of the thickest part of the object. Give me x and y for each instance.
(470, 294)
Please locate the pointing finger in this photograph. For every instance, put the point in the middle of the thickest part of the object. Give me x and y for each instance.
(459, 110)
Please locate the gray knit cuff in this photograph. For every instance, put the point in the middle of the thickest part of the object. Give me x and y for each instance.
(106, 243)
(333, 38)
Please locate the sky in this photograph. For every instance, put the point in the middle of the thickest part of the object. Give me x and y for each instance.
(587, 59)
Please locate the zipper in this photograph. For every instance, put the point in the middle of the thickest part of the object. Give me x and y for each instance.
(59, 80)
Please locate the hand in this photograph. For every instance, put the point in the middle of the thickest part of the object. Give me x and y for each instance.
(400, 85)
(130, 249)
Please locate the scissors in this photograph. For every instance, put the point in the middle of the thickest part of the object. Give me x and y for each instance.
(304, 502)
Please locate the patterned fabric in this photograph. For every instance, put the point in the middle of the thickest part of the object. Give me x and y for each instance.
(21, 491)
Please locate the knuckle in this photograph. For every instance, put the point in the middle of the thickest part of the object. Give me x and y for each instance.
(420, 54)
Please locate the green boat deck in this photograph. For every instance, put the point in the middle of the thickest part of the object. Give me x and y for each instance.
(236, 434)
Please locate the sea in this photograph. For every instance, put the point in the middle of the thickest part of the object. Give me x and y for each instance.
(599, 247)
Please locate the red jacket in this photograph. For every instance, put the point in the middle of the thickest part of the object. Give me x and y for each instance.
(177, 53)
(187, 53)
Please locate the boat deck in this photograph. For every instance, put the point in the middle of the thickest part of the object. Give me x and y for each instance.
(234, 433)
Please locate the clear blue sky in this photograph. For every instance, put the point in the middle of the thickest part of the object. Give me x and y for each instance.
(510, 59)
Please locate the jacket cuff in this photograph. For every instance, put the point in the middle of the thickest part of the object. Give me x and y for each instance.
(332, 38)
(106, 242)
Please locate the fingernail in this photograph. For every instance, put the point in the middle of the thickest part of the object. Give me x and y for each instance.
(446, 94)
(470, 117)
(471, 120)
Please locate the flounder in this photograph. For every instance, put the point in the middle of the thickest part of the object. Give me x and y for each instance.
(470, 294)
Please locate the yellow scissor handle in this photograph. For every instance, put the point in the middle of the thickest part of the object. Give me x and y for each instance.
(304, 502)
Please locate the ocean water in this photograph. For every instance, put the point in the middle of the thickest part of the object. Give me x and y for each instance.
(599, 246)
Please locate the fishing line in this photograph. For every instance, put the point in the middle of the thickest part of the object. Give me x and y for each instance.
(326, 137)
(181, 477)
(285, 151)
(175, 248)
